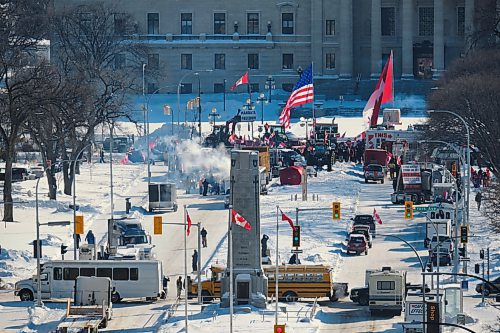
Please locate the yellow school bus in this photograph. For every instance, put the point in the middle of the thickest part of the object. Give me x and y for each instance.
(294, 282)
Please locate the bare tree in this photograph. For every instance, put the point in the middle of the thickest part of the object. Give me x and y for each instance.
(89, 46)
(22, 27)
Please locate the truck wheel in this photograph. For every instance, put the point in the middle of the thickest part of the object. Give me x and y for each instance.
(26, 295)
(382, 181)
(115, 297)
(103, 323)
(366, 181)
(206, 297)
(175, 208)
(363, 300)
(333, 298)
(366, 252)
(290, 296)
(486, 292)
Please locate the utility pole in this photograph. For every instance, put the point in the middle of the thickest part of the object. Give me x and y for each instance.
(199, 105)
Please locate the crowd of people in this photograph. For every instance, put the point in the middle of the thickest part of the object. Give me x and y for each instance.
(480, 178)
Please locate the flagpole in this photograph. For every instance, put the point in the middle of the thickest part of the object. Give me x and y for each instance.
(276, 272)
(248, 85)
(230, 272)
(313, 111)
(185, 273)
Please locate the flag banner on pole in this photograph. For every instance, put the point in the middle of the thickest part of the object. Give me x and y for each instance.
(376, 216)
(302, 93)
(189, 223)
(286, 218)
(242, 80)
(383, 93)
(240, 220)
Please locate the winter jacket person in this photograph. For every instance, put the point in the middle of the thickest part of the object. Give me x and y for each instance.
(90, 238)
(195, 261)
(478, 199)
(204, 237)
(205, 187)
(178, 283)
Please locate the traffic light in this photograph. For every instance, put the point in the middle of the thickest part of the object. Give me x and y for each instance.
(477, 268)
(37, 245)
(158, 227)
(454, 169)
(64, 249)
(408, 210)
(481, 254)
(79, 224)
(464, 234)
(335, 210)
(296, 236)
(279, 328)
(461, 251)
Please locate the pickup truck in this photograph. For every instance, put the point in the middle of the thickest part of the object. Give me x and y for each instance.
(374, 172)
(357, 243)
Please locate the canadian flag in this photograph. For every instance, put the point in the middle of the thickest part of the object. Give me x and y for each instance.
(383, 93)
(189, 223)
(240, 220)
(376, 216)
(286, 218)
(242, 80)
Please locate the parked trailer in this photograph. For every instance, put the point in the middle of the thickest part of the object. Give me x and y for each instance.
(386, 290)
(129, 278)
(92, 308)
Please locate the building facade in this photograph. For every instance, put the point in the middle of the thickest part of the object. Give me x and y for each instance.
(344, 39)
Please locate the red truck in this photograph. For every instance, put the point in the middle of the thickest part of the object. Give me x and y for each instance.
(376, 156)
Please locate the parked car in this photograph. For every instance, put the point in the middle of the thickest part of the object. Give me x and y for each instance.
(365, 220)
(363, 230)
(37, 172)
(357, 243)
(445, 257)
(489, 289)
(374, 172)
(18, 174)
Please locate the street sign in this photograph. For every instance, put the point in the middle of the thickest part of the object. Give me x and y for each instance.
(464, 259)
(433, 317)
(297, 251)
(248, 115)
(425, 209)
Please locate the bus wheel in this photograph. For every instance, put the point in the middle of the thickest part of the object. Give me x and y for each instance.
(206, 297)
(26, 295)
(115, 297)
(363, 300)
(290, 296)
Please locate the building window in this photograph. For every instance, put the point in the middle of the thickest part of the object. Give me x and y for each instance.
(330, 61)
(254, 87)
(153, 61)
(120, 24)
(153, 23)
(218, 88)
(388, 21)
(187, 88)
(119, 61)
(152, 88)
(426, 21)
(220, 61)
(219, 23)
(330, 28)
(186, 23)
(253, 61)
(287, 61)
(287, 23)
(253, 23)
(460, 21)
(186, 61)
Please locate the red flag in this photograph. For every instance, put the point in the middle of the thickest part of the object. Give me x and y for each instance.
(376, 216)
(242, 80)
(240, 220)
(188, 231)
(382, 94)
(286, 218)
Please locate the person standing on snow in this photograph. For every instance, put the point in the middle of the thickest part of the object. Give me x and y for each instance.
(204, 237)
(90, 238)
(195, 261)
(479, 198)
(179, 286)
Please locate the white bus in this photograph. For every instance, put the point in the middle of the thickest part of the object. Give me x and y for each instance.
(130, 279)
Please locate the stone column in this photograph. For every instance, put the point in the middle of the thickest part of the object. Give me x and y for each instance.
(346, 54)
(469, 23)
(438, 61)
(317, 32)
(376, 42)
(407, 39)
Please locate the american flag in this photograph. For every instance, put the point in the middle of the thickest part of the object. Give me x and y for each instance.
(302, 93)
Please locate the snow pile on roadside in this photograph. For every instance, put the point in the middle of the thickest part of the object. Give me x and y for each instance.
(42, 319)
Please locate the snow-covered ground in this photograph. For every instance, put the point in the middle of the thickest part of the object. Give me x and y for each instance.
(322, 242)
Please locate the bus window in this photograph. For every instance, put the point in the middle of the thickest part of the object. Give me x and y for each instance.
(120, 274)
(309, 277)
(289, 277)
(280, 277)
(70, 273)
(57, 273)
(44, 277)
(104, 272)
(87, 271)
(319, 277)
(134, 274)
(270, 276)
(299, 277)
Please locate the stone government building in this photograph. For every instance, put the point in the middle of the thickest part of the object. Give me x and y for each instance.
(348, 41)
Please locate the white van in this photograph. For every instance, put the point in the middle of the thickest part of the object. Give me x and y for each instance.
(130, 279)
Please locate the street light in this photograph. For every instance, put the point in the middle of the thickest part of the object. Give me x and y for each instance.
(211, 117)
(270, 86)
(262, 99)
(468, 160)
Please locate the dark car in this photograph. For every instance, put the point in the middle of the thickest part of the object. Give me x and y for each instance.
(489, 289)
(365, 220)
(18, 174)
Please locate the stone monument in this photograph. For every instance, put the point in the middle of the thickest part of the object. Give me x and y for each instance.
(249, 281)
